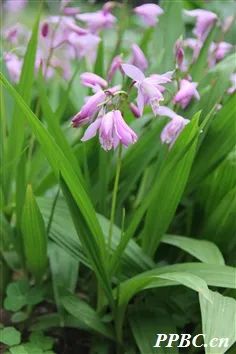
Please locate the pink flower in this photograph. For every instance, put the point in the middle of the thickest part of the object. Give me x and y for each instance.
(84, 45)
(112, 130)
(187, 91)
(195, 45)
(218, 51)
(232, 89)
(179, 55)
(97, 20)
(149, 13)
(89, 109)
(172, 130)
(45, 29)
(16, 33)
(71, 11)
(115, 65)
(15, 6)
(138, 58)
(94, 81)
(205, 20)
(14, 66)
(149, 88)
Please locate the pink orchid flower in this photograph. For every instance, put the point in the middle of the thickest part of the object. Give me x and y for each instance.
(134, 109)
(172, 130)
(138, 58)
(14, 66)
(15, 6)
(218, 51)
(205, 20)
(149, 88)
(97, 21)
(112, 129)
(187, 91)
(149, 13)
(195, 45)
(115, 66)
(71, 11)
(94, 81)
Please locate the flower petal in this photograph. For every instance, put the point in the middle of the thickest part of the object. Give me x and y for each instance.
(133, 72)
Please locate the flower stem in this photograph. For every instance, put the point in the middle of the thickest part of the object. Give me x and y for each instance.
(114, 196)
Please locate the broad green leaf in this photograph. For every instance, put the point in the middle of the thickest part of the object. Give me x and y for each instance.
(58, 162)
(218, 321)
(34, 236)
(156, 278)
(169, 186)
(205, 251)
(86, 314)
(220, 138)
(168, 30)
(17, 130)
(146, 323)
(200, 67)
(40, 341)
(10, 336)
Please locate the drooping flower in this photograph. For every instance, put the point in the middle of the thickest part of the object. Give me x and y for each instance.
(94, 81)
(16, 34)
(172, 129)
(89, 109)
(232, 89)
(138, 58)
(149, 88)
(205, 21)
(112, 130)
(115, 66)
(84, 45)
(15, 6)
(98, 20)
(187, 91)
(179, 55)
(14, 66)
(218, 51)
(149, 13)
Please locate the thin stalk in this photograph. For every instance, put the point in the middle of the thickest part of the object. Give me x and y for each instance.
(114, 196)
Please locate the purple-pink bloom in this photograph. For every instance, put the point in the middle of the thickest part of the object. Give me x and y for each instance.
(218, 51)
(16, 33)
(89, 109)
(149, 13)
(15, 6)
(115, 65)
(187, 91)
(97, 20)
(112, 130)
(84, 45)
(179, 55)
(14, 66)
(94, 81)
(149, 88)
(172, 129)
(71, 11)
(138, 58)
(232, 89)
(205, 20)
(45, 29)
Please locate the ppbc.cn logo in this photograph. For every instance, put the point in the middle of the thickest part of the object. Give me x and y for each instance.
(185, 340)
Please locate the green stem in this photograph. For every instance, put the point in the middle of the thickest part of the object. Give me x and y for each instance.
(114, 197)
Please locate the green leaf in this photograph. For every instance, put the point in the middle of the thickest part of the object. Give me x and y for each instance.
(17, 130)
(58, 162)
(19, 317)
(10, 336)
(168, 30)
(16, 295)
(20, 349)
(41, 341)
(220, 133)
(34, 236)
(146, 323)
(203, 250)
(99, 64)
(168, 187)
(86, 314)
(200, 67)
(218, 319)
